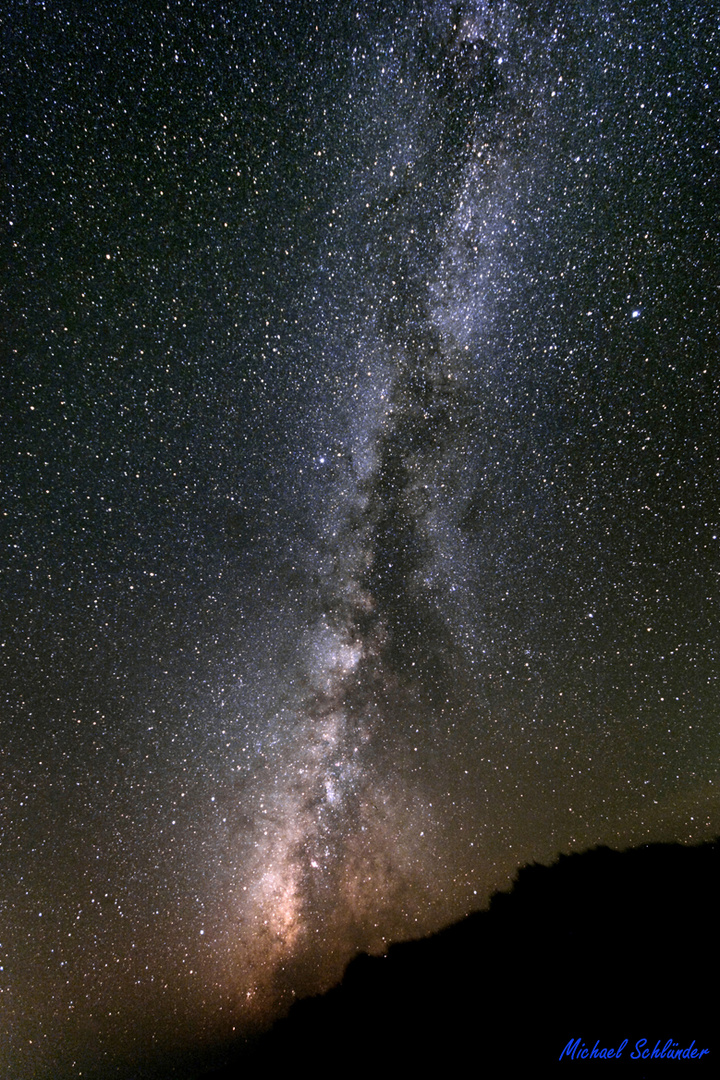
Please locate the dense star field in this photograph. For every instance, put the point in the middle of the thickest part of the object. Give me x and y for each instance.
(361, 542)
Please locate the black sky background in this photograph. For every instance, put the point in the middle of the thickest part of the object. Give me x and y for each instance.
(360, 451)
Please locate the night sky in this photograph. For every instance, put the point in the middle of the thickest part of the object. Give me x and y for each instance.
(360, 449)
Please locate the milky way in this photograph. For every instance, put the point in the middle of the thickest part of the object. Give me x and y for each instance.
(361, 499)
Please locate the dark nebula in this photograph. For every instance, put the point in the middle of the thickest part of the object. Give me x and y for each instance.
(360, 475)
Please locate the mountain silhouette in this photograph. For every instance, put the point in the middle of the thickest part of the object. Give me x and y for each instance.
(598, 948)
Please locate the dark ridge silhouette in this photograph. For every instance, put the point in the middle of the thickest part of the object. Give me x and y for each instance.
(600, 947)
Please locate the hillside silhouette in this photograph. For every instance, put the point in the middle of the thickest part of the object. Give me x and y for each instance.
(603, 946)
